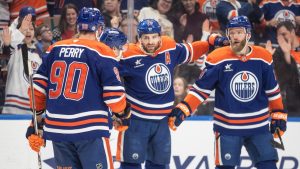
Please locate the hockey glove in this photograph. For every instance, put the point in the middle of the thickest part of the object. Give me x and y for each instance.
(121, 121)
(178, 114)
(278, 121)
(35, 141)
(218, 41)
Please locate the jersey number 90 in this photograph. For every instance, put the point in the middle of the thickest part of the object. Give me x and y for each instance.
(73, 85)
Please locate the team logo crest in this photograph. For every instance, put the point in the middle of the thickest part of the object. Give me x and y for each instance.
(244, 86)
(158, 78)
(285, 15)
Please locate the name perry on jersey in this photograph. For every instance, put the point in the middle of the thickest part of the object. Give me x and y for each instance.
(70, 52)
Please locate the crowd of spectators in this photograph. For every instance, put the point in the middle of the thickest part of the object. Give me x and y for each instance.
(275, 26)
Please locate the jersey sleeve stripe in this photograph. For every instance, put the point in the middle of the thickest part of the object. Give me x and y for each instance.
(273, 90)
(115, 100)
(117, 105)
(274, 97)
(39, 76)
(41, 83)
(197, 95)
(39, 88)
(113, 88)
(112, 94)
(202, 90)
(193, 101)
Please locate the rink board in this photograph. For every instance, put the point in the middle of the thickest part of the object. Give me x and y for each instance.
(192, 146)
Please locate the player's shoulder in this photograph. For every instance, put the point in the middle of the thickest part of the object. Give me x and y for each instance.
(132, 50)
(167, 43)
(220, 54)
(91, 45)
(263, 54)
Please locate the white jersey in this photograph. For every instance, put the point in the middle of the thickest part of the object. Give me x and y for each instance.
(16, 97)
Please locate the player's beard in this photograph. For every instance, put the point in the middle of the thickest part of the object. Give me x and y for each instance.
(237, 48)
(152, 49)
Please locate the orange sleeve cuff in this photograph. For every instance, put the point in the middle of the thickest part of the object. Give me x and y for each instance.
(192, 101)
(276, 104)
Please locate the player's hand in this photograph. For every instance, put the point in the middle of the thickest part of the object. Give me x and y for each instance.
(121, 121)
(35, 141)
(217, 40)
(278, 120)
(178, 115)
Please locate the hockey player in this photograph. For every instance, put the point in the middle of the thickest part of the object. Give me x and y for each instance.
(147, 69)
(80, 83)
(115, 39)
(246, 95)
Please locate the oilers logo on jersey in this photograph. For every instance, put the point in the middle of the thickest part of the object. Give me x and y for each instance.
(158, 78)
(244, 86)
(285, 15)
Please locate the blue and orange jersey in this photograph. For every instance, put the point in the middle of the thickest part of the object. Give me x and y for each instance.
(226, 10)
(79, 85)
(148, 79)
(208, 7)
(245, 90)
(276, 9)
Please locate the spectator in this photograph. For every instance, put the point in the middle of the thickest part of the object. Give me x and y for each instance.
(23, 12)
(44, 38)
(227, 9)
(158, 11)
(40, 6)
(277, 11)
(138, 5)
(67, 23)
(111, 9)
(124, 27)
(191, 24)
(208, 7)
(180, 86)
(286, 60)
(23, 59)
(57, 6)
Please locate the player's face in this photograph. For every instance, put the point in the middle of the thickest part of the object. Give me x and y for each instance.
(150, 42)
(29, 35)
(179, 89)
(71, 16)
(237, 38)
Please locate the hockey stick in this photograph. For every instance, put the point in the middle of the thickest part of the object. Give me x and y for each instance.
(275, 143)
(35, 123)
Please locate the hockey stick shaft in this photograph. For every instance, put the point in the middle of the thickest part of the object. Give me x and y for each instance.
(35, 123)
